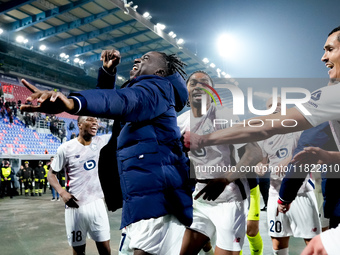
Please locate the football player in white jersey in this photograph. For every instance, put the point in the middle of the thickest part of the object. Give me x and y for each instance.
(324, 105)
(223, 214)
(302, 219)
(85, 211)
(328, 239)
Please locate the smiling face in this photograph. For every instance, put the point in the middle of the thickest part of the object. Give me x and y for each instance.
(331, 57)
(151, 63)
(88, 126)
(194, 85)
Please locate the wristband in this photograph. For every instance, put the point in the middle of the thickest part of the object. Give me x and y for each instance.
(281, 202)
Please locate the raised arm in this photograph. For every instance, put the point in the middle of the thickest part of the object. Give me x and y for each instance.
(107, 73)
(47, 101)
(56, 102)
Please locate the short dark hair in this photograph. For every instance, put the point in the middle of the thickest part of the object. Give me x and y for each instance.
(201, 71)
(79, 118)
(173, 64)
(335, 30)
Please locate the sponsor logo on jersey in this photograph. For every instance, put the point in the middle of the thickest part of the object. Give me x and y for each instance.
(77, 156)
(89, 165)
(282, 153)
(316, 95)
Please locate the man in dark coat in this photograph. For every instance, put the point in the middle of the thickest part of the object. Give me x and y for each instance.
(153, 171)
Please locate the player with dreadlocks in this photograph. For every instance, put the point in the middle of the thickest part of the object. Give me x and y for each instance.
(219, 206)
(153, 170)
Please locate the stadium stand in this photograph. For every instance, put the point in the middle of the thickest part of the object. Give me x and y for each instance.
(21, 93)
(16, 139)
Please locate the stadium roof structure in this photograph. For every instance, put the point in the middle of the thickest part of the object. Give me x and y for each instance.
(74, 34)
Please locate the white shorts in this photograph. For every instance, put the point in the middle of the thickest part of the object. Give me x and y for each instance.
(225, 220)
(302, 219)
(319, 198)
(124, 243)
(162, 235)
(88, 219)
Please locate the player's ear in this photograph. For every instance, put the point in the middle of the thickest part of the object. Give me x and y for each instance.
(160, 72)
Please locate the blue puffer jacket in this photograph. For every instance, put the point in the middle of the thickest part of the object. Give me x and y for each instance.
(154, 175)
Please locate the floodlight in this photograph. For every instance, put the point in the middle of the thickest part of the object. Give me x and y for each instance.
(20, 39)
(42, 47)
(161, 26)
(226, 45)
(180, 41)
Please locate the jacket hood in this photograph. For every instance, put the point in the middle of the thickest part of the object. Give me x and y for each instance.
(180, 89)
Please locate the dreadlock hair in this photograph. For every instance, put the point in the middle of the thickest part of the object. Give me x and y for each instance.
(174, 64)
(200, 71)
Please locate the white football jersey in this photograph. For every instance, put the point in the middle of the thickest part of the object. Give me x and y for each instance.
(208, 159)
(324, 105)
(80, 164)
(278, 148)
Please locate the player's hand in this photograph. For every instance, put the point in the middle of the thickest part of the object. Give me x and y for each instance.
(313, 155)
(69, 199)
(186, 140)
(282, 208)
(213, 189)
(261, 169)
(192, 140)
(314, 247)
(110, 58)
(48, 101)
(303, 158)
